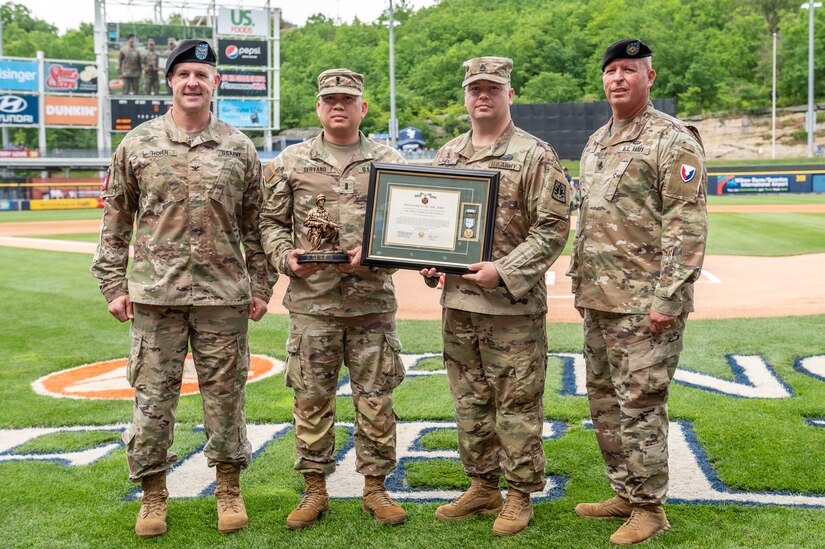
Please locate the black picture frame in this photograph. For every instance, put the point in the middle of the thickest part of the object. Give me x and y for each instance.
(429, 216)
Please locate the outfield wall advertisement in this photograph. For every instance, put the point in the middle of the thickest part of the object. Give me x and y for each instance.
(244, 114)
(248, 84)
(241, 22)
(63, 110)
(19, 110)
(18, 76)
(242, 52)
(71, 77)
(761, 183)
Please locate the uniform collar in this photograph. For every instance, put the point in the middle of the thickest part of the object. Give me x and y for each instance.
(318, 151)
(630, 132)
(497, 148)
(209, 133)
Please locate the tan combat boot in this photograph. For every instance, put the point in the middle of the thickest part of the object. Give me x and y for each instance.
(231, 510)
(377, 502)
(482, 498)
(314, 502)
(151, 519)
(642, 525)
(515, 515)
(614, 508)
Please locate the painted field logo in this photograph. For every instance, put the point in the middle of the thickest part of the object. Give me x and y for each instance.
(107, 380)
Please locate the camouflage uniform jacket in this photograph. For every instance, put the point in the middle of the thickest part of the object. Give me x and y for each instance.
(643, 220)
(292, 182)
(532, 222)
(129, 62)
(193, 206)
(150, 61)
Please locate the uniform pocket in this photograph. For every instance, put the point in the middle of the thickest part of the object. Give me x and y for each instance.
(651, 365)
(391, 363)
(135, 363)
(293, 376)
(612, 184)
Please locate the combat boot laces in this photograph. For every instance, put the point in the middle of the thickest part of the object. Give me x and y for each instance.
(316, 492)
(512, 508)
(153, 503)
(231, 500)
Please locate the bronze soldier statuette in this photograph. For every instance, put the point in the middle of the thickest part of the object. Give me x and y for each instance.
(323, 236)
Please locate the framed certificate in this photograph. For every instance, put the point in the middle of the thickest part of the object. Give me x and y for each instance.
(424, 216)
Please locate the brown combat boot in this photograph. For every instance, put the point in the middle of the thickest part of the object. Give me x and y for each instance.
(377, 502)
(314, 502)
(231, 510)
(151, 519)
(482, 498)
(642, 525)
(614, 508)
(515, 515)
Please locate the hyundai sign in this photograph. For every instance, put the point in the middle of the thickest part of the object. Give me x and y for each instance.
(18, 75)
(243, 52)
(19, 110)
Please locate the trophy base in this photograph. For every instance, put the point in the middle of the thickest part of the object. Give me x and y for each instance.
(323, 257)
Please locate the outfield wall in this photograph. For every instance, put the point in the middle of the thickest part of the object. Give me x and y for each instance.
(730, 181)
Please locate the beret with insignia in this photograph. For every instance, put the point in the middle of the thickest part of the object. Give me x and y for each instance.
(191, 51)
(628, 48)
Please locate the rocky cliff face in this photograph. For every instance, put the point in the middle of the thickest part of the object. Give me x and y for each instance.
(749, 137)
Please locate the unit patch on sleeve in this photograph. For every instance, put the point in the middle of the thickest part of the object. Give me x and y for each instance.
(560, 192)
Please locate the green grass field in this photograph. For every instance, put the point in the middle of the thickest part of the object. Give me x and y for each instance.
(53, 318)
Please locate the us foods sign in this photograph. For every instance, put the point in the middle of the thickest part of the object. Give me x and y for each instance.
(240, 22)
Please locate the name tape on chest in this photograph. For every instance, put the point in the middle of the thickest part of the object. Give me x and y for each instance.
(634, 149)
(315, 169)
(449, 161)
(502, 165)
(159, 153)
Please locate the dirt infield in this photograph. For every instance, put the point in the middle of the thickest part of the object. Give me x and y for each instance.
(730, 287)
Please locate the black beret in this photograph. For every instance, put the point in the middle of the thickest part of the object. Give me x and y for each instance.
(629, 48)
(191, 51)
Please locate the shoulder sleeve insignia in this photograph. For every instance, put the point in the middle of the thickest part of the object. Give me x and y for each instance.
(560, 192)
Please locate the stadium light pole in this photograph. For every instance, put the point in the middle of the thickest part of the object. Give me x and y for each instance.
(773, 102)
(393, 121)
(810, 5)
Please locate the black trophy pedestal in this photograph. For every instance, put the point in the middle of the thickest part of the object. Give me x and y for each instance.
(323, 257)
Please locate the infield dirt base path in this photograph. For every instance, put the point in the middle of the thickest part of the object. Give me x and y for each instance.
(730, 286)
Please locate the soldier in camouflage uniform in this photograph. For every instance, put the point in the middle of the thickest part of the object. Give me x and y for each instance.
(638, 249)
(495, 343)
(128, 65)
(191, 185)
(150, 68)
(341, 313)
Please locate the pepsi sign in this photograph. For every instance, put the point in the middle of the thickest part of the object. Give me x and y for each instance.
(19, 110)
(243, 52)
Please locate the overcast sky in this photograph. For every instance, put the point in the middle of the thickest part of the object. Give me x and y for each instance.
(68, 14)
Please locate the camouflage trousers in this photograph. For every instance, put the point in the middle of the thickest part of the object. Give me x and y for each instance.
(496, 366)
(160, 338)
(131, 84)
(629, 371)
(368, 345)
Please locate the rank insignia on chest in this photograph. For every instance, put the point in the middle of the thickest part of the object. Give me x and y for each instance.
(687, 172)
(560, 192)
(365, 168)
